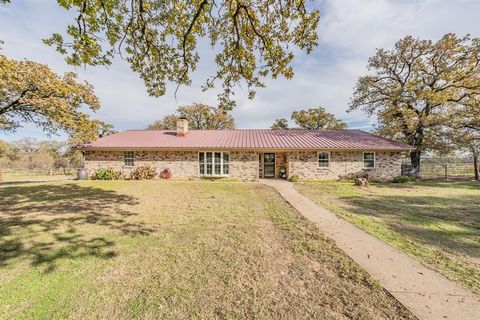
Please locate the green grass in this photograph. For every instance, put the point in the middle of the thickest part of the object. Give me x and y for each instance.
(172, 250)
(437, 223)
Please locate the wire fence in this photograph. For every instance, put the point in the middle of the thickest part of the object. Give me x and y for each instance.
(442, 169)
(9, 174)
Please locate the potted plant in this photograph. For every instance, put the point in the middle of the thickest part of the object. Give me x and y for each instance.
(282, 172)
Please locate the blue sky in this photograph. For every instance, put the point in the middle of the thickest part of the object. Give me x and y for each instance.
(349, 32)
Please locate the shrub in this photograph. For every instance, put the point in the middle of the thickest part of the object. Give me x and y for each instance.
(106, 174)
(294, 178)
(146, 172)
(403, 179)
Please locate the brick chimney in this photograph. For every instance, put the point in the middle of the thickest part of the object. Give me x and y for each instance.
(182, 127)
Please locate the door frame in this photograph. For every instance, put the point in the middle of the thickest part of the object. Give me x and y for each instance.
(274, 164)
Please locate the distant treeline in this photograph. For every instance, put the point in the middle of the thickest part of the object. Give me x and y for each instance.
(40, 155)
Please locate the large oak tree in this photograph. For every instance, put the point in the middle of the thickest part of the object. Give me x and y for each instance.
(31, 92)
(160, 38)
(199, 116)
(414, 89)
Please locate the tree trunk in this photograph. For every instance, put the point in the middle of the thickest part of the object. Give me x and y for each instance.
(415, 159)
(475, 165)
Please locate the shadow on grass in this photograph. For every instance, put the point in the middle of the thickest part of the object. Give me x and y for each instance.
(474, 185)
(45, 223)
(448, 223)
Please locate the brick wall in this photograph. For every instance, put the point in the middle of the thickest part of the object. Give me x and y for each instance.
(244, 165)
(343, 165)
(182, 164)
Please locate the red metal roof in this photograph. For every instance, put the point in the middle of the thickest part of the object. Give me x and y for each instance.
(247, 139)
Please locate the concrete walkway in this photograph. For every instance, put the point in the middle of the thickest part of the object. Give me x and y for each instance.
(426, 293)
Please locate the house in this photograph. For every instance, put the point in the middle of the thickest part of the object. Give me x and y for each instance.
(249, 154)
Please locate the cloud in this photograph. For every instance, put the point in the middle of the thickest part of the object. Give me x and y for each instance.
(349, 32)
(359, 27)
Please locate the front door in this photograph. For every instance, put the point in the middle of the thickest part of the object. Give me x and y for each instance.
(269, 165)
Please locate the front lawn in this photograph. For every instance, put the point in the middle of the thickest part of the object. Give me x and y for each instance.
(437, 223)
(172, 250)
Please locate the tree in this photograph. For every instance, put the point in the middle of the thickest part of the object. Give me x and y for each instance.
(316, 119)
(469, 140)
(199, 116)
(169, 122)
(160, 38)
(464, 134)
(105, 129)
(313, 119)
(280, 124)
(31, 92)
(5, 150)
(414, 88)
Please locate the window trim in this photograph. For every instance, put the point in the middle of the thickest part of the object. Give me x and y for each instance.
(318, 160)
(213, 164)
(374, 160)
(125, 158)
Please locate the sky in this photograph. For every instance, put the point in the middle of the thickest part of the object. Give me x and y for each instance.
(349, 33)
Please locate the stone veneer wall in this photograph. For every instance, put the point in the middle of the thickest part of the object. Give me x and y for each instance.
(182, 164)
(244, 165)
(343, 165)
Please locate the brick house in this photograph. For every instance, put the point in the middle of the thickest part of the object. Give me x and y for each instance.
(249, 154)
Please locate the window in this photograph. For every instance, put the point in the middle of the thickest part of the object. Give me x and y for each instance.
(128, 158)
(369, 160)
(226, 163)
(209, 163)
(201, 161)
(218, 164)
(214, 163)
(324, 159)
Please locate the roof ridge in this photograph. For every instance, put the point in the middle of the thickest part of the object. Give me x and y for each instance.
(246, 129)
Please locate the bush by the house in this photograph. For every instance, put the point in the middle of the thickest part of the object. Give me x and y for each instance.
(294, 178)
(146, 172)
(107, 174)
(403, 179)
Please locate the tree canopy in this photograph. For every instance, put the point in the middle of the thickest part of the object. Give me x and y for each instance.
(160, 39)
(415, 89)
(317, 118)
(199, 116)
(280, 124)
(313, 119)
(463, 134)
(31, 92)
(31, 154)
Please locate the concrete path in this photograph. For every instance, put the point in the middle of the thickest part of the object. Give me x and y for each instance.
(426, 293)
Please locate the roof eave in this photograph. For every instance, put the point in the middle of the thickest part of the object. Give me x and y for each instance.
(95, 148)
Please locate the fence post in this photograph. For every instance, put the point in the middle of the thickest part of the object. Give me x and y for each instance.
(446, 171)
